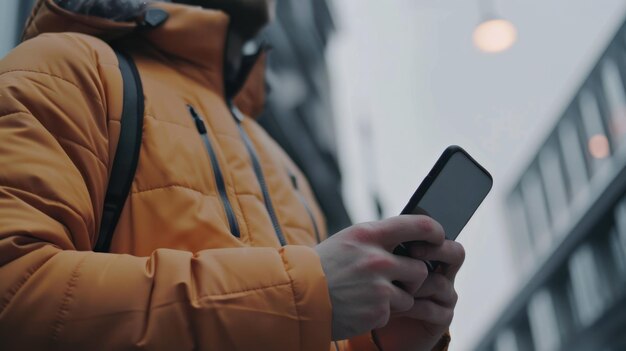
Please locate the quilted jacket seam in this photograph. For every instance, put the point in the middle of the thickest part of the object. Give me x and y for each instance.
(23, 70)
(64, 309)
(209, 296)
(101, 161)
(17, 286)
(141, 191)
(295, 303)
(11, 113)
(65, 205)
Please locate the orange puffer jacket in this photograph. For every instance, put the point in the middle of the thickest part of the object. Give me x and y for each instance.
(211, 252)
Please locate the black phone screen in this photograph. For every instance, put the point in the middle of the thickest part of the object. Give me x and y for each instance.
(452, 191)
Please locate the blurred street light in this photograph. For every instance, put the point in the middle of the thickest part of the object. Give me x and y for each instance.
(599, 146)
(495, 35)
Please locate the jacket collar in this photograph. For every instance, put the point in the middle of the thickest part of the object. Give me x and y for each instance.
(190, 34)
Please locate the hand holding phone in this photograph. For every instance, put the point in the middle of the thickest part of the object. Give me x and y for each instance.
(450, 193)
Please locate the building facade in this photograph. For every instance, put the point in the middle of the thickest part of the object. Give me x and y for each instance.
(568, 225)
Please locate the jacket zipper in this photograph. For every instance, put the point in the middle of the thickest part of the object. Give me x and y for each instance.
(294, 182)
(217, 172)
(258, 171)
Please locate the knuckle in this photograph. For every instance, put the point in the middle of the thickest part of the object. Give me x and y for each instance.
(460, 252)
(430, 226)
(455, 297)
(421, 269)
(377, 315)
(384, 314)
(377, 262)
(407, 304)
(442, 283)
(382, 291)
(428, 311)
(440, 231)
(363, 232)
(425, 224)
(448, 317)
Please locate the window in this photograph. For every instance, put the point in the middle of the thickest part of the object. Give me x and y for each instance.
(616, 100)
(506, 341)
(618, 241)
(569, 290)
(543, 322)
(523, 335)
(534, 200)
(620, 224)
(572, 155)
(617, 271)
(562, 298)
(588, 287)
(521, 238)
(597, 145)
(552, 174)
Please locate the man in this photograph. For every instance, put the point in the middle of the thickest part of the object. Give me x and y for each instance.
(214, 249)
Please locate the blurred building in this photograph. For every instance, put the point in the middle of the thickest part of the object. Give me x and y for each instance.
(568, 225)
(298, 111)
(13, 14)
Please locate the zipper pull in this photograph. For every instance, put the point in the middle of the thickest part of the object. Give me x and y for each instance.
(196, 117)
(239, 117)
(294, 180)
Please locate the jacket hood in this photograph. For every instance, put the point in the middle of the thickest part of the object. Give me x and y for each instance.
(116, 10)
(187, 34)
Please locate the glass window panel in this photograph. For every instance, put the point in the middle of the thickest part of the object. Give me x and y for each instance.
(523, 335)
(616, 99)
(597, 146)
(620, 225)
(587, 285)
(543, 322)
(569, 289)
(519, 228)
(534, 201)
(550, 166)
(562, 299)
(605, 260)
(506, 341)
(618, 241)
(572, 154)
(618, 271)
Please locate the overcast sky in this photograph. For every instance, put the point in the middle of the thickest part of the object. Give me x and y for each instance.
(410, 67)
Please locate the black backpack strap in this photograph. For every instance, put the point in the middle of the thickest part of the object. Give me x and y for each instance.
(127, 153)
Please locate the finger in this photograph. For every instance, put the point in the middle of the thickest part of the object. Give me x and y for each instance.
(428, 311)
(439, 289)
(406, 228)
(400, 300)
(410, 273)
(451, 253)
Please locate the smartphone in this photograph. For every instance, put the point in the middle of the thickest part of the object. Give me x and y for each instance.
(450, 193)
